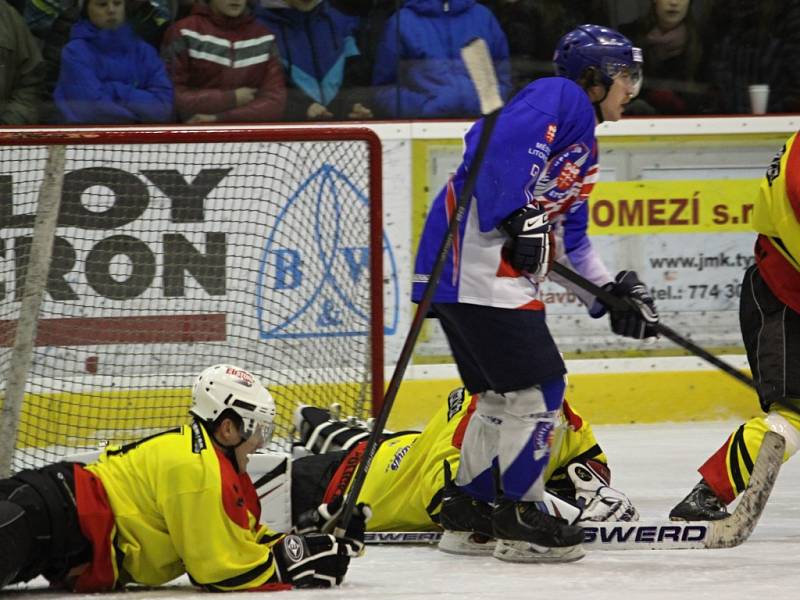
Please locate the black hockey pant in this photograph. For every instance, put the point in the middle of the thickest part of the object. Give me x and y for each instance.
(39, 529)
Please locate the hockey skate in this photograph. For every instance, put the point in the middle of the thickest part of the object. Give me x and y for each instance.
(467, 522)
(700, 505)
(526, 534)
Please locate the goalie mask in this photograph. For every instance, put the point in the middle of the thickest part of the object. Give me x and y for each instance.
(223, 387)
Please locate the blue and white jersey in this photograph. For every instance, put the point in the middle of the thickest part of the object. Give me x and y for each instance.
(543, 149)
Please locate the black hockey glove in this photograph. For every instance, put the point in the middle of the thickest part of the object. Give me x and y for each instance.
(314, 560)
(325, 517)
(639, 321)
(531, 244)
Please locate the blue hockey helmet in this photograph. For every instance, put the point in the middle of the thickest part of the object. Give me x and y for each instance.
(601, 48)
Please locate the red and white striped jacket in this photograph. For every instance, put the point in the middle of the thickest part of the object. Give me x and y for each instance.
(209, 56)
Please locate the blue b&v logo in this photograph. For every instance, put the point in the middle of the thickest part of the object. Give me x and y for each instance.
(314, 274)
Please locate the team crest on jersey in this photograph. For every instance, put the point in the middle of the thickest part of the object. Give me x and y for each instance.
(561, 180)
(550, 134)
(569, 175)
(454, 402)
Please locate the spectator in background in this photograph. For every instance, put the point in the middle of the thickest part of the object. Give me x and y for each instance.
(327, 78)
(534, 27)
(754, 42)
(225, 65)
(51, 21)
(21, 70)
(108, 74)
(418, 67)
(672, 46)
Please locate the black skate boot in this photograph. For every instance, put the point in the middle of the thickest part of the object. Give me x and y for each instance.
(467, 522)
(526, 534)
(700, 505)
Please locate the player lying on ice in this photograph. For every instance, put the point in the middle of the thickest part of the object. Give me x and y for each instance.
(409, 485)
(177, 502)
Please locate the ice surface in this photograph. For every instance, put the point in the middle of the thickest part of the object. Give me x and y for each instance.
(655, 465)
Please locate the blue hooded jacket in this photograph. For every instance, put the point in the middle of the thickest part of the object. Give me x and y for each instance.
(315, 47)
(112, 76)
(418, 66)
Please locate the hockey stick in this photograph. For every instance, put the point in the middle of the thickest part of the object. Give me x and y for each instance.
(479, 64)
(658, 534)
(617, 303)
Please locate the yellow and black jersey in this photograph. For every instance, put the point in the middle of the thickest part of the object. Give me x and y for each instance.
(179, 506)
(405, 481)
(776, 217)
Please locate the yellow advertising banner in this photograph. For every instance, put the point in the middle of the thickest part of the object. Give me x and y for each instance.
(672, 206)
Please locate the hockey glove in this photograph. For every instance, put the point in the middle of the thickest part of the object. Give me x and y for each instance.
(532, 244)
(325, 517)
(639, 320)
(313, 560)
(597, 499)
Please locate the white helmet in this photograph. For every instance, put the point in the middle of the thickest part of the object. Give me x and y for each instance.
(222, 387)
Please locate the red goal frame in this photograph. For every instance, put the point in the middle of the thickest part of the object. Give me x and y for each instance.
(45, 136)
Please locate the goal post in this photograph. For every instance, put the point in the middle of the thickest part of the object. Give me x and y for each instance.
(173, 249)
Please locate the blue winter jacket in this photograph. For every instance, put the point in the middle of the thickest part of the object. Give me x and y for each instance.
(111, 76)
(418, 64)
(315, 48)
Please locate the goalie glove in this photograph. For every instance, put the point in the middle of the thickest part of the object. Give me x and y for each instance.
(324, 518)
(639, 320)
(596, 498)
(314, 560)
(531, 245)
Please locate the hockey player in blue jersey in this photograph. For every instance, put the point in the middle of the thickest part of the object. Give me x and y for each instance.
(528, 209)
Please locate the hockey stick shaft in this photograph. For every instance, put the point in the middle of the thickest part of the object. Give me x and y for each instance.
(617, 303)
(490, 101)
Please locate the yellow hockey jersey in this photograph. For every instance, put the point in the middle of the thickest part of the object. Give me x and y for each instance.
(405, 481)
(179, 506)
(776, 217)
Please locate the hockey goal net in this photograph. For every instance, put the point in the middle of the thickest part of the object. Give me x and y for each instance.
(131, 259)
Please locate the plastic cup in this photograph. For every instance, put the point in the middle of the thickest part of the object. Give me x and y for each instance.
(759, 95)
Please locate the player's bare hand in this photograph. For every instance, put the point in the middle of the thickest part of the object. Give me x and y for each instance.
(317, 111)
(245, 95)
(250, 445)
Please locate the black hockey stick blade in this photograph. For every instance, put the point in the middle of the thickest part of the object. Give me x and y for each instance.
(617, 303)
(479, 64)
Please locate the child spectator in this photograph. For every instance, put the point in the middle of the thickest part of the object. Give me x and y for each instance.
(224, 65)
(418, 67)
(21, 70)
(672, 47)
(108, 74)
(319, 51)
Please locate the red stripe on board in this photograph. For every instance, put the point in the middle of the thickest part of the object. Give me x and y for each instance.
(181, 329)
